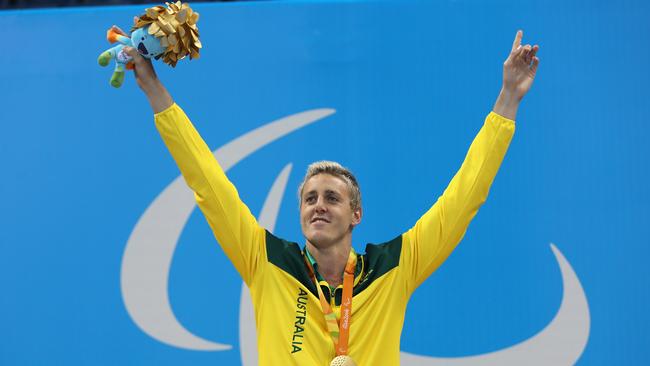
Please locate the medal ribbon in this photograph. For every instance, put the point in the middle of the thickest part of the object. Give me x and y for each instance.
(340, 334)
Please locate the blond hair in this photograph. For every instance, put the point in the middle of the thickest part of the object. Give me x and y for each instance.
(337, 170)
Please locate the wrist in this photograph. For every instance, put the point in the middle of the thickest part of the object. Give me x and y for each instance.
(510, 96)
(158, 96)
(507, 104)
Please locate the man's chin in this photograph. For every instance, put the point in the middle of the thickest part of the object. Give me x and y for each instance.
(319, 240)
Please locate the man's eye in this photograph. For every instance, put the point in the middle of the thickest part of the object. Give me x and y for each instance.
(309, 199)
(332, 199)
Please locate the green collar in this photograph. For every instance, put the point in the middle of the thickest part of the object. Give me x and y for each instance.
(320, 278)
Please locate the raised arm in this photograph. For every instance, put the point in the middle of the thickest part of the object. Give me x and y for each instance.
(428, 244)
(231, 221)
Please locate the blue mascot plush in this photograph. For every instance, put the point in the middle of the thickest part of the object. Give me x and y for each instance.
(168, 32)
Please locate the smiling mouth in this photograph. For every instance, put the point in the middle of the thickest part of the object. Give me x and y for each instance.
(143, 49)
(319, 219)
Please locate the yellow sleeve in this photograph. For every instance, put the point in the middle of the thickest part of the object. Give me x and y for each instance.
(232, 223)
(427, 244)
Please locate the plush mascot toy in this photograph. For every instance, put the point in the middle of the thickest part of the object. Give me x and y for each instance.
(168, 32)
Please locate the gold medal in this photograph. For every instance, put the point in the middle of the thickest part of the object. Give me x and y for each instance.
(342, 361)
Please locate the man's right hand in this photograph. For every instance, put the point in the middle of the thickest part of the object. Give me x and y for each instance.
(147, 80)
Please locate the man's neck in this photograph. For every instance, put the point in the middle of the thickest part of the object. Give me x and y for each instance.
(331, 261)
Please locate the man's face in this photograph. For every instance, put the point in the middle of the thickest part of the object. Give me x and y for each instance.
(326, 217)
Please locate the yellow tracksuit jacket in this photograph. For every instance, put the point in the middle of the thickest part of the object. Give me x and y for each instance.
(290, 325)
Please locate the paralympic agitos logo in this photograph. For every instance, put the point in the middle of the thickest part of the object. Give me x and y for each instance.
(150, 248)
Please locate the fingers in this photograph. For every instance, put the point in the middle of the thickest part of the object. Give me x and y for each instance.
(533, 67)
(533, 52)
(135, 55)
(518, 54)
(517, 41)
(528, 54)
(143, 67)
(525, 53)
(135, 20)
(138, 60)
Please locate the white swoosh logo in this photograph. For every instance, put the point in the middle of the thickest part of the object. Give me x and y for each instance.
(561, 342)
(147, 257)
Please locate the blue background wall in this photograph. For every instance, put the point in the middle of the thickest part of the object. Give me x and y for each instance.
(411, 82)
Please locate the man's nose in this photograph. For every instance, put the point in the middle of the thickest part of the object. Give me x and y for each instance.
(320, 205)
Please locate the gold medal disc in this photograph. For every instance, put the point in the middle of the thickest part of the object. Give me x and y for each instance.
(342, 361)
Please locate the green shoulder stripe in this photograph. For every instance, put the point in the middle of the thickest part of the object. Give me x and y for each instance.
(379, 259)
(287, 256)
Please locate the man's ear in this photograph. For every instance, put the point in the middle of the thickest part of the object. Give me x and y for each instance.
(356, 216)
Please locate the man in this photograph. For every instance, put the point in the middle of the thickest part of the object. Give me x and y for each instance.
(298, 322)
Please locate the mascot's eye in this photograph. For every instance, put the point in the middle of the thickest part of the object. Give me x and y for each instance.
(143, 38)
